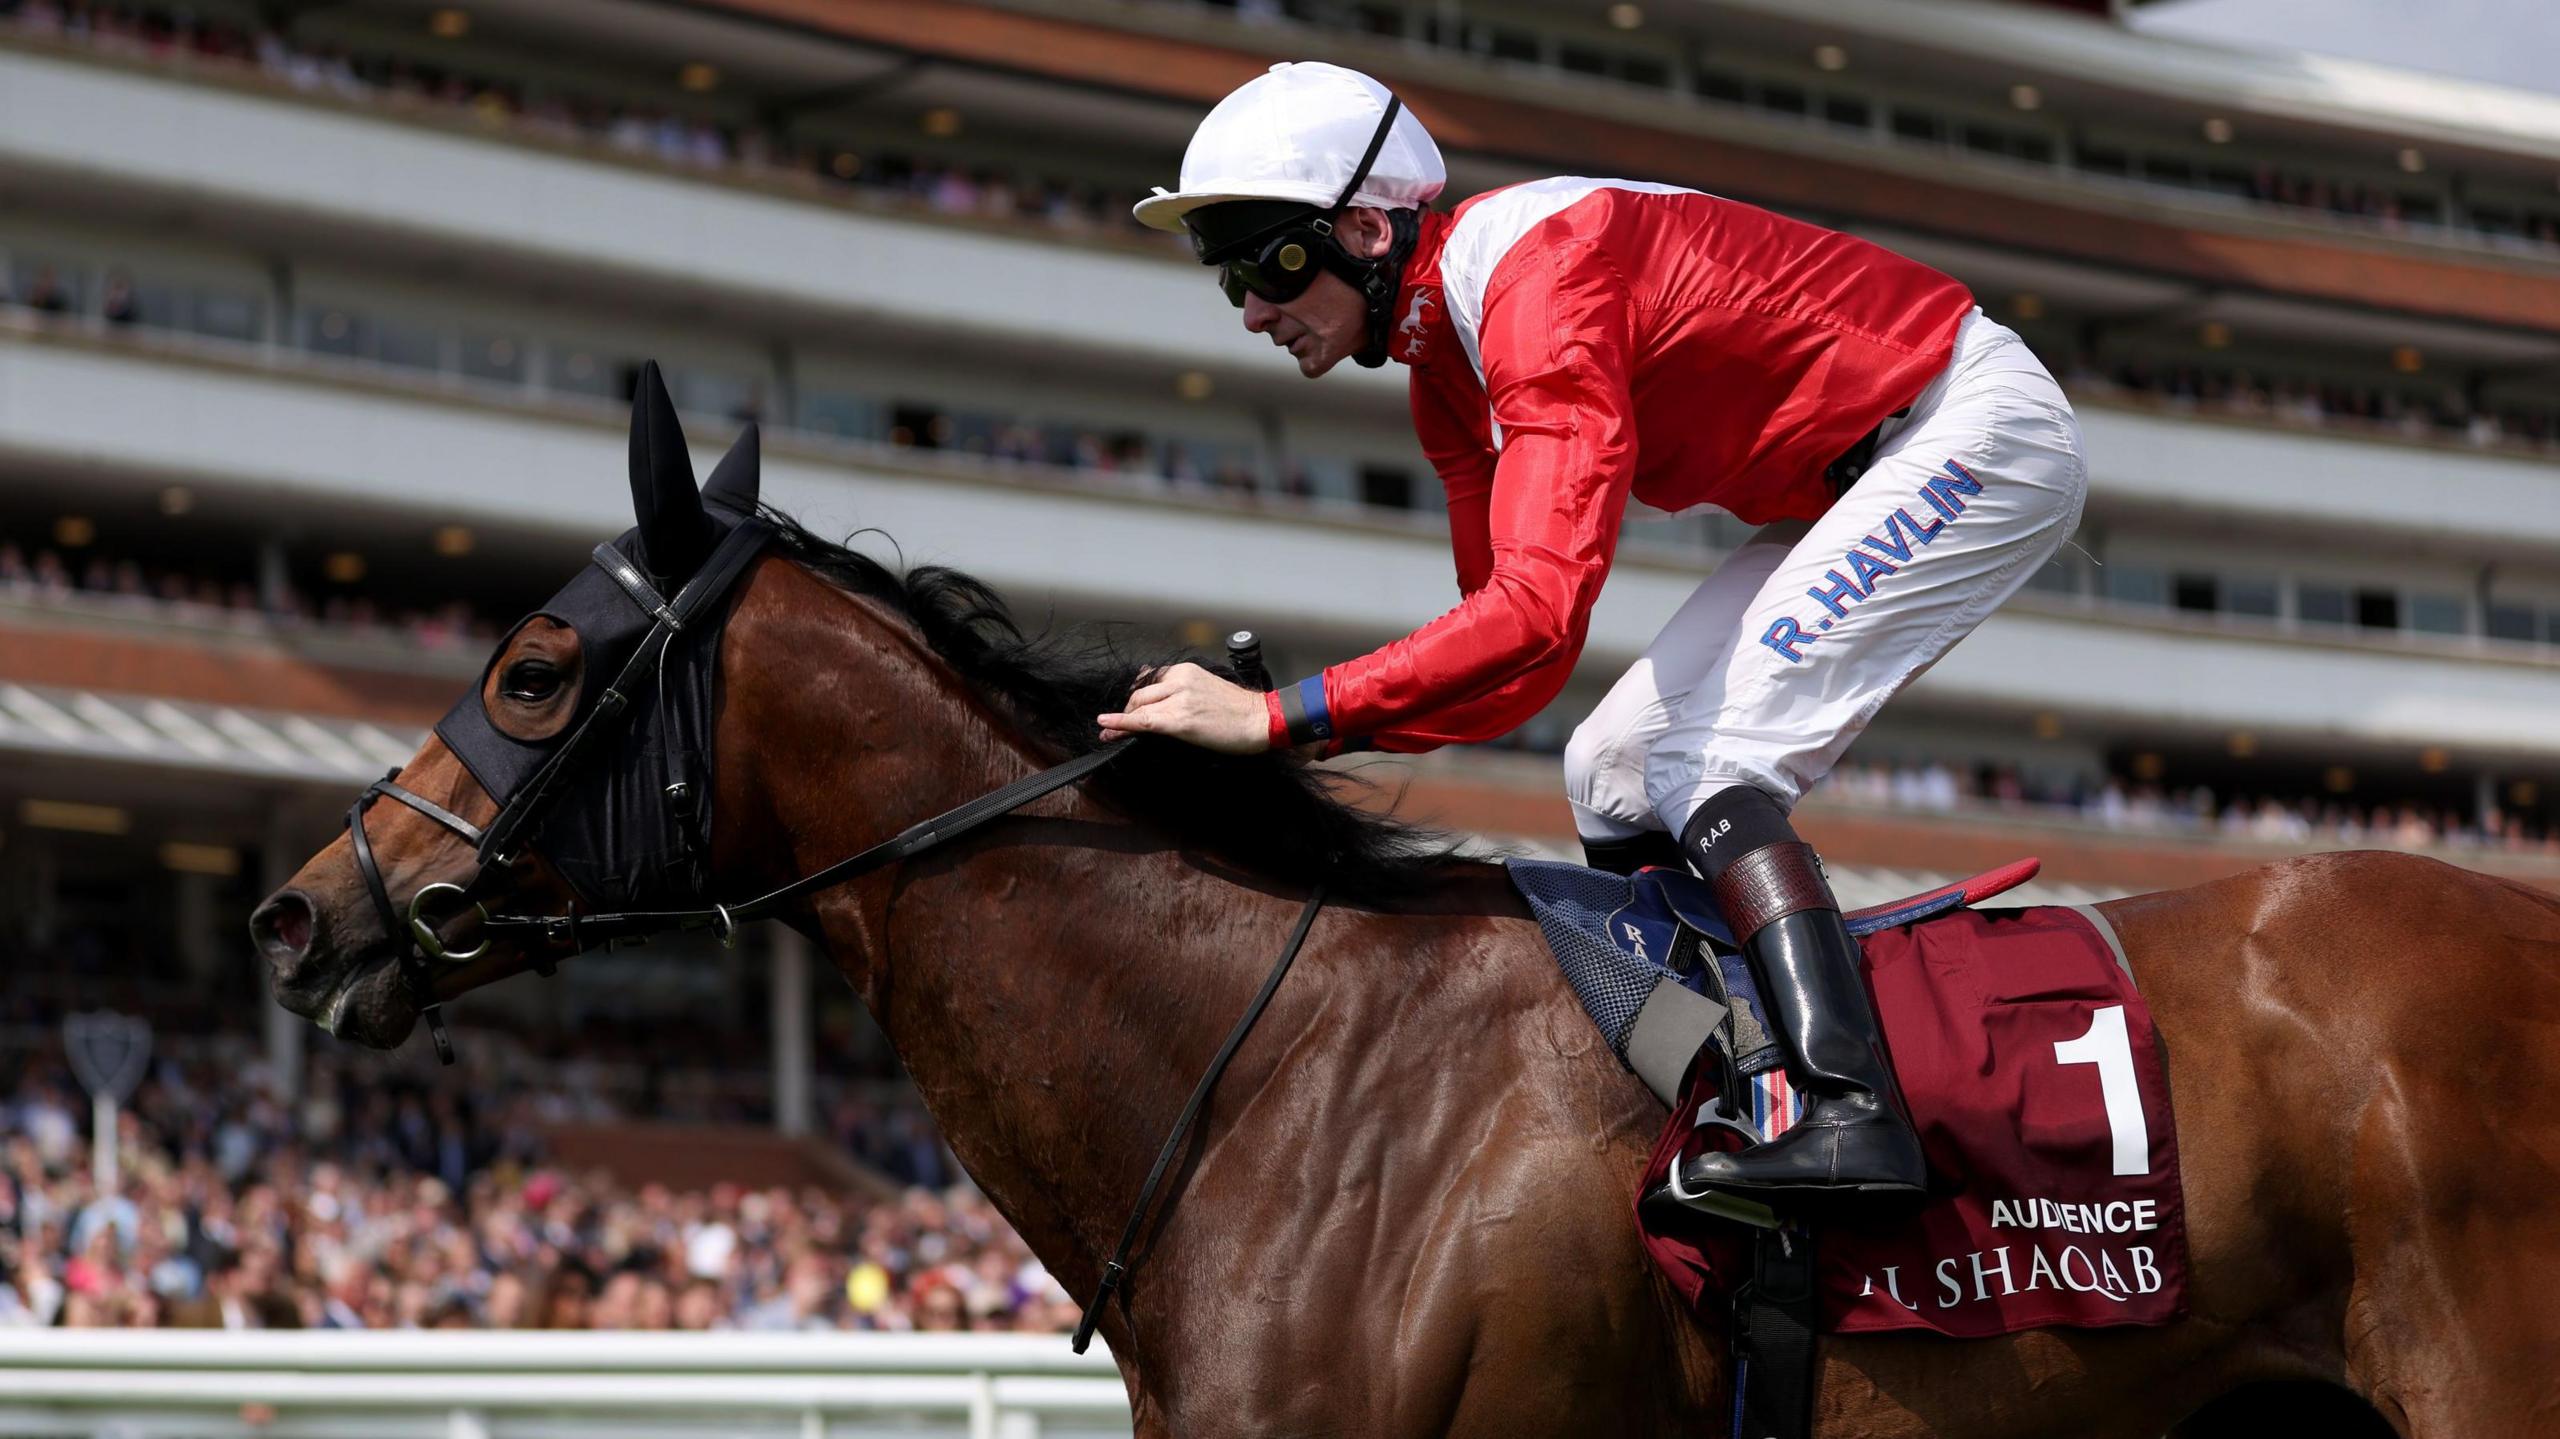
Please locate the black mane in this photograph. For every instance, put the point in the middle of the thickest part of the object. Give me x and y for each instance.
(1272, 814)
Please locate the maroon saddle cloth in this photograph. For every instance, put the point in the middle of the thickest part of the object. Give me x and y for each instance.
(2042, 1099)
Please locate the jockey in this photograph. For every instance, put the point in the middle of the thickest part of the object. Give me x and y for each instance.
(1573, 343)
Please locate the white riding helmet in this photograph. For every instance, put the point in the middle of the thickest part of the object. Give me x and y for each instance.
(1297, 132)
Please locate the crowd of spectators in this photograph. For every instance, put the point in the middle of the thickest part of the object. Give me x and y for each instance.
(382, 1199)
(2379, 203)
(46, 574)
(2119, 802)
(2385, 206)
(1179, 465)
(693, 139)
(671, 136)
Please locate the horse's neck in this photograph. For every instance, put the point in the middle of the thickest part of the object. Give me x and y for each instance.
(1055, 983)
(1055, 1004)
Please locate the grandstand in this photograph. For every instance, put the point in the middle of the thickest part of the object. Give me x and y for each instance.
(317, 325)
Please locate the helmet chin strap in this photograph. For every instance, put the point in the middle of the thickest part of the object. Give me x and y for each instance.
(1378, 280)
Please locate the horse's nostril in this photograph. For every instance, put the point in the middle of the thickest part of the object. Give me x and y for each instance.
(283, 924)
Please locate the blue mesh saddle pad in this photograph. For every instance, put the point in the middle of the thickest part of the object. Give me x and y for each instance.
(1615, 936)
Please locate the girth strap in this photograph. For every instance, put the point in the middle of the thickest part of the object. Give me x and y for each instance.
(1773, 1338)
(1116, 1268)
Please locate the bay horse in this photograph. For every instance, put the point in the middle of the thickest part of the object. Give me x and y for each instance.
(1409, 1209)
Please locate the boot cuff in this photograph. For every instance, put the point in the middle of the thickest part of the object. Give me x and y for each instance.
(1768, 884)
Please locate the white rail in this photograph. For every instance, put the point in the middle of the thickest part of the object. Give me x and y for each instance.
(162, 1384)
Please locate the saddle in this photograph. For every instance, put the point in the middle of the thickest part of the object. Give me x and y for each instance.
(1997, 1020)
(1621, 939)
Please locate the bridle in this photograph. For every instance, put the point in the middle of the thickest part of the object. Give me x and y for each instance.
(421, 945)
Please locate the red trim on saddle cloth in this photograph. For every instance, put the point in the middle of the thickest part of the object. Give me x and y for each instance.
(2028, 1223)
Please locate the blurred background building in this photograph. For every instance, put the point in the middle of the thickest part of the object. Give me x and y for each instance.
(317, 324)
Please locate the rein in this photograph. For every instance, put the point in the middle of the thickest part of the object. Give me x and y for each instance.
(585, 932)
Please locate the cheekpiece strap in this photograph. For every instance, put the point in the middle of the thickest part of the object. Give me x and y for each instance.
(635, 584)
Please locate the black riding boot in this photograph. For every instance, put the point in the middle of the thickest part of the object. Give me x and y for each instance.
(1626, 856)
(1854, 1134)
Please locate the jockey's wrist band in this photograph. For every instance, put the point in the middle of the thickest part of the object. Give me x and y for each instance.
(1279, 721)
(1304, 711)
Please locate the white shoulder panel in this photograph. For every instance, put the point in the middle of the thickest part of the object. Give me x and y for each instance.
(1486, 233)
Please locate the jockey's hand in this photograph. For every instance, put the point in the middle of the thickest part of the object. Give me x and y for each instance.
(1188, 703)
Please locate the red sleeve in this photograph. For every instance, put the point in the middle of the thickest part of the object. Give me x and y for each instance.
(1449, 417)
(1556, 354)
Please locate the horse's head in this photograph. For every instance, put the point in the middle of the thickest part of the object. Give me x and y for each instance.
(575, 777)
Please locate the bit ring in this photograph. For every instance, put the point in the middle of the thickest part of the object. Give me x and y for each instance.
(424, 931)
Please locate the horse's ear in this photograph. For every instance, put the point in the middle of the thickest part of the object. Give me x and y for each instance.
(733, 482)
(675, 535)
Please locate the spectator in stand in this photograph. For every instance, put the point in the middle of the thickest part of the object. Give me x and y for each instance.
(116, 305)
(45, 294)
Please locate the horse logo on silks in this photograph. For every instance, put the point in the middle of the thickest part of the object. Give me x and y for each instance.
(109, 1052)
(1411, 325)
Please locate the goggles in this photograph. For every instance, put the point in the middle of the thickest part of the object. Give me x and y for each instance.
(1279, 268)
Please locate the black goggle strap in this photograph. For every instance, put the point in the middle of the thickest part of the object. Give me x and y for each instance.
(523, 809)
(1368, 157)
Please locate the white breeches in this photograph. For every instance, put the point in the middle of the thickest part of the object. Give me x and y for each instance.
(1783, 655)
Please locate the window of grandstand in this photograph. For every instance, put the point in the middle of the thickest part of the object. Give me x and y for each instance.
(493, 359)
(2522, 622)
(161, 304)
(576, 369)
(2439, 614)
(169, 558)
(2128, 584)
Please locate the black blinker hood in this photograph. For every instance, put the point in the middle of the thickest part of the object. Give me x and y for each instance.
(629, 824)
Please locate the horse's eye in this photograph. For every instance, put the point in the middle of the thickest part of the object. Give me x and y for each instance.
(531, 681)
